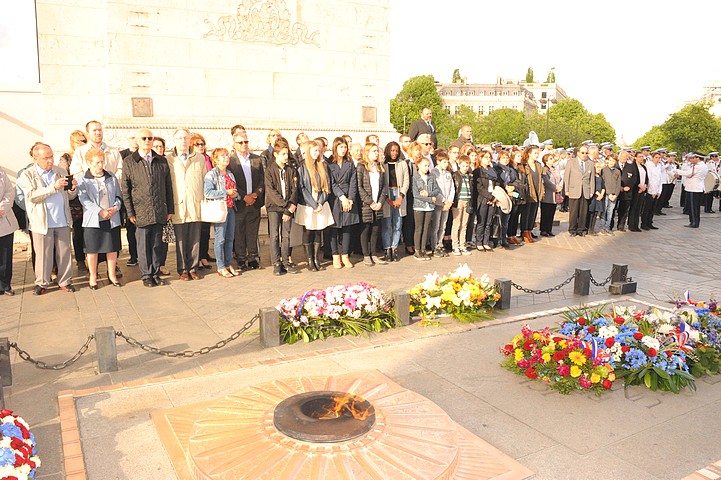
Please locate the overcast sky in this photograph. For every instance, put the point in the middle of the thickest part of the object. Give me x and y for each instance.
(636, 61)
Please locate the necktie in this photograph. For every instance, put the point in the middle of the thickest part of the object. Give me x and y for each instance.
(583, 168)
(693, 169)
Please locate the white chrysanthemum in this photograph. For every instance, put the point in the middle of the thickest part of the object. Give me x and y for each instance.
(608, 331)
(651, 342)
(433, 302)
(694, 335)
(665, 328)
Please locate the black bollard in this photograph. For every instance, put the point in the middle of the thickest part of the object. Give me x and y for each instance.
(582, 282)
(6, 371)
(503, 285)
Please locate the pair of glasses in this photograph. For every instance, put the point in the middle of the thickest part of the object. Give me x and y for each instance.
(146, 139)
(244, 142)
(426, 144)
(198, 144)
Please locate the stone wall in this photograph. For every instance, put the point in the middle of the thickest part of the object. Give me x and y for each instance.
(321, 66)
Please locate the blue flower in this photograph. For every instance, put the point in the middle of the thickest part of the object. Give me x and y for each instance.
(635, 358)
(10, 430)
(7, 457)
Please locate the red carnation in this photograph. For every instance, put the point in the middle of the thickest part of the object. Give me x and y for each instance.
(16, 443)
(591, 329)
(610, 341)
(531, 373)
(638, 335)
(619, 320)
(19, 460)
(558, 356)
(607, 384)
(587, 352)
(528, 345)
(5, 412)
(652, 352)
(625, 348)
(581, 321)
(669, 353)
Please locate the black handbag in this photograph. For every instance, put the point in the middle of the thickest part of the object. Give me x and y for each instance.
(496, 227)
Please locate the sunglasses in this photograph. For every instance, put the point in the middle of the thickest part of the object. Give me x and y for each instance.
(198, 144)
(426, 144)
(243, 142)
(146, 139)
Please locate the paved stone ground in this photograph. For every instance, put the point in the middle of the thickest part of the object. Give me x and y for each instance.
(190, 315)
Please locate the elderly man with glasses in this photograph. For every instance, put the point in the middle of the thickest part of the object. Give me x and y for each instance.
(148, 198)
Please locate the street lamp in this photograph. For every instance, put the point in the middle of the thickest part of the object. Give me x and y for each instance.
(547, 103)
(404, 101)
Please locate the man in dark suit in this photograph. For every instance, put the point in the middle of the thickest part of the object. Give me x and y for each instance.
(424, 125)
(629, 187)
(578, 182)
(639, 197)
(247, 168)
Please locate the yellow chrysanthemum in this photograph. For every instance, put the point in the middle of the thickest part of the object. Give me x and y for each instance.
(546, 357)
(595, 378)
(577, 357)
(562, 344)
(575, 371)
(612, 376)
(518, 354)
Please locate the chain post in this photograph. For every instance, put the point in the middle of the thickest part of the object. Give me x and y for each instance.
(503, 285)
(2, 393)
(6, 371)
(269, 327)
(582, 285)
(402, 305)
(106, 349)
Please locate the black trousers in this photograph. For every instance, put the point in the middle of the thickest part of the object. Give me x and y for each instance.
(409, 222)
(577, 213)
(634, 214)
(6, 261)
(666, 192)
(247, 223)
(150, 240)
(422, 221)
(649, 208)
(130, 230)
(279, 238)
(369, 237)
(204, 240)
(78, 240)
(693, 203)
(548, 211)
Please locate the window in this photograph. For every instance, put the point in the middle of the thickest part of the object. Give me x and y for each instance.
(505, 93)
(448, 108)
(490, 109)
(480, 109)
(543, 94)
(455, 109)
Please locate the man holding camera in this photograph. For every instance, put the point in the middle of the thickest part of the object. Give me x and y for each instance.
(47, 191)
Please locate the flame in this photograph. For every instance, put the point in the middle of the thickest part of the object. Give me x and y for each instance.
(347, 405)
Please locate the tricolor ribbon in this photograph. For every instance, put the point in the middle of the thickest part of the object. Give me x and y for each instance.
(596, 353)
(687, 297)
(682, 336)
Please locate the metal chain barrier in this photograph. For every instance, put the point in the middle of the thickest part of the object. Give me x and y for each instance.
(601, 284)
(548, 290)
(59, 366)
(188, 353)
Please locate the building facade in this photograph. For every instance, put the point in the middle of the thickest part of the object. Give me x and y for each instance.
(319, 66)
(484, 98)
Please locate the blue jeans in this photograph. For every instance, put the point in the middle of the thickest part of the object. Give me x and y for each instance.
(609, 209)
(224, 235)
(391, 226)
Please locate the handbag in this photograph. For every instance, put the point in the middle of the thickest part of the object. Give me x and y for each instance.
(168, 235)
(558, 198)
(496, 227)
(213, 211)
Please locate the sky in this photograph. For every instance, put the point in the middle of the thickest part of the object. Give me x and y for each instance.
(635, 61)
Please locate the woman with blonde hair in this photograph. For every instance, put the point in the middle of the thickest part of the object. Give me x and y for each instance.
(409, 221)
(219, 184)
(470, 151)
(313, 213)
(373, 191)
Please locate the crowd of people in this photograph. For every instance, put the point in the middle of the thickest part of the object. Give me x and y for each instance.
(333, 198)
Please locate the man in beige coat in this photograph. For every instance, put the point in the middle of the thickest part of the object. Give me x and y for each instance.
(187, 172)
(47, 193)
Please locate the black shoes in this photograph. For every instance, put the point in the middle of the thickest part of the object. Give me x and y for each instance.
(278, 269)
(38, 290)
(148, 282)
(253, 265)
(67, 288)
(133, 262)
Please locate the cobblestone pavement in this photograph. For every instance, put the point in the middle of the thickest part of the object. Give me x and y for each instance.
(191, 315)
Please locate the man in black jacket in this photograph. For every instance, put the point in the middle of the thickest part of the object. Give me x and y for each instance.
(148, 198)
(424, 125)
(247, 168)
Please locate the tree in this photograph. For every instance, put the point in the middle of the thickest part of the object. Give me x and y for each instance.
(503, 125)
(529, 75)
(551, 78)
(655, 138)
(457, 76)
(417, 92)
(693, 128)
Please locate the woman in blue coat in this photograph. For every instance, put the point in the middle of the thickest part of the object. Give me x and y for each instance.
(344, 202)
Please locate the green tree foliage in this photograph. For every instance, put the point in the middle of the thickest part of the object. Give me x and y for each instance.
(529, 75)
(655, 138)
(691, 129)
(551, 78)
(457, 76)
(503, 125)
(417, 92)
